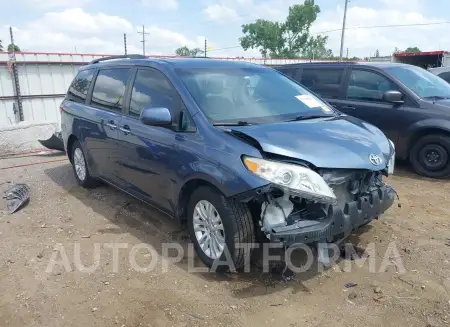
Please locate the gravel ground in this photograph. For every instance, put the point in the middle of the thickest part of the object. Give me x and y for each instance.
(62, 218)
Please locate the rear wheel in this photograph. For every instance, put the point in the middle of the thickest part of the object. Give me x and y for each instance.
(80, 167)
(221, 229)
(430, 156)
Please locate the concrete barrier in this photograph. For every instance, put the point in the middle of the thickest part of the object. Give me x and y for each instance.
(24, 136)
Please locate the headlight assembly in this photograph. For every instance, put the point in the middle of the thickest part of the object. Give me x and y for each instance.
(300, 181)
(391, 163)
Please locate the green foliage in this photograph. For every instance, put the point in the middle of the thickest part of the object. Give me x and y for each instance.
(290, 39)
(412, 49)
(16, 48)
(316, 48)
(186, 52)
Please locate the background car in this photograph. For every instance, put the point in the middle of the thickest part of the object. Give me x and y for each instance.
(409, 104)
(442, 72)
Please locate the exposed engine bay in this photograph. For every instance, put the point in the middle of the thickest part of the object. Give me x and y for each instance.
(284, 211)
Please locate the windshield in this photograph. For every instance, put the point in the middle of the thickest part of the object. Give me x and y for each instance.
(250, 95)
(421, 82)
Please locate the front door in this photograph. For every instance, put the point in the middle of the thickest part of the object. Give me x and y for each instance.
(363, 99)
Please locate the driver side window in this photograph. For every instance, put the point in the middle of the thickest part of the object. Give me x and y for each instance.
(151, 89)
(365, 85)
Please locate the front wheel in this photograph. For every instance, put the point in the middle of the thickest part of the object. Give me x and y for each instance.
(430, 156)
(221, 229)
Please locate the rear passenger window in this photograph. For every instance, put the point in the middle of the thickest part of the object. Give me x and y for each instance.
(152, 89)
(325, 82)
(109, 88)
(445, 76)
(79, 88)
(368, 86)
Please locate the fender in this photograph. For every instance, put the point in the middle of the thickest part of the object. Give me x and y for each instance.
(405, 140)
(228, 181)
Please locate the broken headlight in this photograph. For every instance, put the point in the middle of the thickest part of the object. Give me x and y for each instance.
(391, 162)
(299, 180)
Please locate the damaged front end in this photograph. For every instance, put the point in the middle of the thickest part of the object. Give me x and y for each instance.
(304, 205)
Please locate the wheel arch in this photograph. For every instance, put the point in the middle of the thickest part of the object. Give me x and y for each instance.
(70, 141)
(421, 132)
(186, 191)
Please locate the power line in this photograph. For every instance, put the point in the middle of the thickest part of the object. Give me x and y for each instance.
(355, 28)
(382, 26)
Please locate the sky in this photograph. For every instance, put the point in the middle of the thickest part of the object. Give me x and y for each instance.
(98, 26)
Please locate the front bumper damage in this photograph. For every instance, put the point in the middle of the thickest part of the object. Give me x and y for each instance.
(337, 223)
(311, 222)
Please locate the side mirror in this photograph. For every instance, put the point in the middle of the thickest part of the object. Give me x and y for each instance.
(155, 116)
(393, 97)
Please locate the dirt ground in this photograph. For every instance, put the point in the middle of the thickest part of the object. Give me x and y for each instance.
(60, 212)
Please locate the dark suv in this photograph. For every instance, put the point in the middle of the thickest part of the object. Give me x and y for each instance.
(237, 151)
(409, 104)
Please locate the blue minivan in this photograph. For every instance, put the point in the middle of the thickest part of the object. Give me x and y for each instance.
(238, 152)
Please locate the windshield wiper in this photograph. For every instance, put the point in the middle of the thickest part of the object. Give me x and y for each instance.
(305, 117)
(234, 123)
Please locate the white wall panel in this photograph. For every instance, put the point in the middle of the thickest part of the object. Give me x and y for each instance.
(7, 116)
(42, 109)
(6, 83)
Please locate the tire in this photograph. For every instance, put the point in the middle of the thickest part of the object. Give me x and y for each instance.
(237, 224)
(430, 156)
(82, 175)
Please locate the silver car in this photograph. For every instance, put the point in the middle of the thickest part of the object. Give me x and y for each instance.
(442, 72)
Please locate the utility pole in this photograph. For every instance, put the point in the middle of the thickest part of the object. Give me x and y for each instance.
(125, 42)
(206, 47)
(347, 54)
(143, 39)
(343, 30)
(15, 74)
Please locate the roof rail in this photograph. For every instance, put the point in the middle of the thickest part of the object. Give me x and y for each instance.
(130, 56)
(337, 62)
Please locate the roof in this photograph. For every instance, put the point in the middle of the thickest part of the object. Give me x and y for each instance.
(206, 63)
(423, 53)
(197, 62)
(380, 64)
(437, 70)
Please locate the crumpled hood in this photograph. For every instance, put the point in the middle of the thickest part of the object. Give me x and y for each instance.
(335, 142)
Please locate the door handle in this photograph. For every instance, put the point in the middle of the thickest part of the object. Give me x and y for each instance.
(125, 129)
(348, 107)
(112, 125)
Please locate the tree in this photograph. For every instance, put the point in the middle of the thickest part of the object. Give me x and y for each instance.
(316, 48)
(1, 45)
(186, 52)
(412, 49)
(377, 53)
(16, 48)
(289, 39)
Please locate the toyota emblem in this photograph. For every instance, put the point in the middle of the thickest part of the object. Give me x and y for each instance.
(375, 160)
